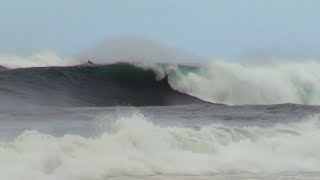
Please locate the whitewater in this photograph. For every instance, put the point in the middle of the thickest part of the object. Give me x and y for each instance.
(61, 118)
(103, 143)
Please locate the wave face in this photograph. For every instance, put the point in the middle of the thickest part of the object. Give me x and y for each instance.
(132, 145)
(238, 84)
(84, 85)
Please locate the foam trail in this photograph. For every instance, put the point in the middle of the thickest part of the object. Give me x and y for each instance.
(40, 59)
(134, 146)
(236, 83)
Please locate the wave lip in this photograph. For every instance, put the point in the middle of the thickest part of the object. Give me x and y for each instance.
(234, 83)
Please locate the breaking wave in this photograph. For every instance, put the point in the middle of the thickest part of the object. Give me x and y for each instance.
(87, 85)
(216, 82)
(132, 145)
(237, 84)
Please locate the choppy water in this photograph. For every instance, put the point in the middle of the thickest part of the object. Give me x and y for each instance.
(64, 122)
(164, 142)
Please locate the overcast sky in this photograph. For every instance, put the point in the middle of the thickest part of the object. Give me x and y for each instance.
(228, 29)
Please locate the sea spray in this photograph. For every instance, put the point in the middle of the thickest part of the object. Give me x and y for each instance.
(39, 59)
(237, 84)
(232, 83)
(133, 145)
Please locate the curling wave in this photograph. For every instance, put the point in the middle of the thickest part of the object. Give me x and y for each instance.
(141, 83)
(91, 85)
(238, 84)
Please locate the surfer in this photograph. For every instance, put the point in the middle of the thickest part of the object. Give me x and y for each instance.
(90, 62)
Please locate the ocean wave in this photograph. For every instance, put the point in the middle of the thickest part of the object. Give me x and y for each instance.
(132, 145)
(116, 84)
(231, 83)
(237, 84)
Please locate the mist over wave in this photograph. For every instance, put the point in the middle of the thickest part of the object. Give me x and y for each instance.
(39, 59)
(218, 81)
(224, 82)
(132, 145)
(136, 49)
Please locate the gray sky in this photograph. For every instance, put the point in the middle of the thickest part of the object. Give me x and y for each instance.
(228, 29)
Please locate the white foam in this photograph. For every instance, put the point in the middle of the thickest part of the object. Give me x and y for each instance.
(40, 59)
(134, 146)
(235, 83)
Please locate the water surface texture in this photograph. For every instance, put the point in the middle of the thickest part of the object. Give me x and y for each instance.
(160, 121)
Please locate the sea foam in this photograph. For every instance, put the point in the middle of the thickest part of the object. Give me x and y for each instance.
(236, 83)
(132, 145)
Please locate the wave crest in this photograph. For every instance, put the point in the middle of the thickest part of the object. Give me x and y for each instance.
(216, 82)
(237, 84)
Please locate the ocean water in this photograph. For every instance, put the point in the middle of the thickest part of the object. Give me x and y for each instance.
(161, 142)
(159, 121)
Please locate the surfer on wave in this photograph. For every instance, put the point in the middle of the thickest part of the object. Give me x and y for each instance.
(90, 63)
